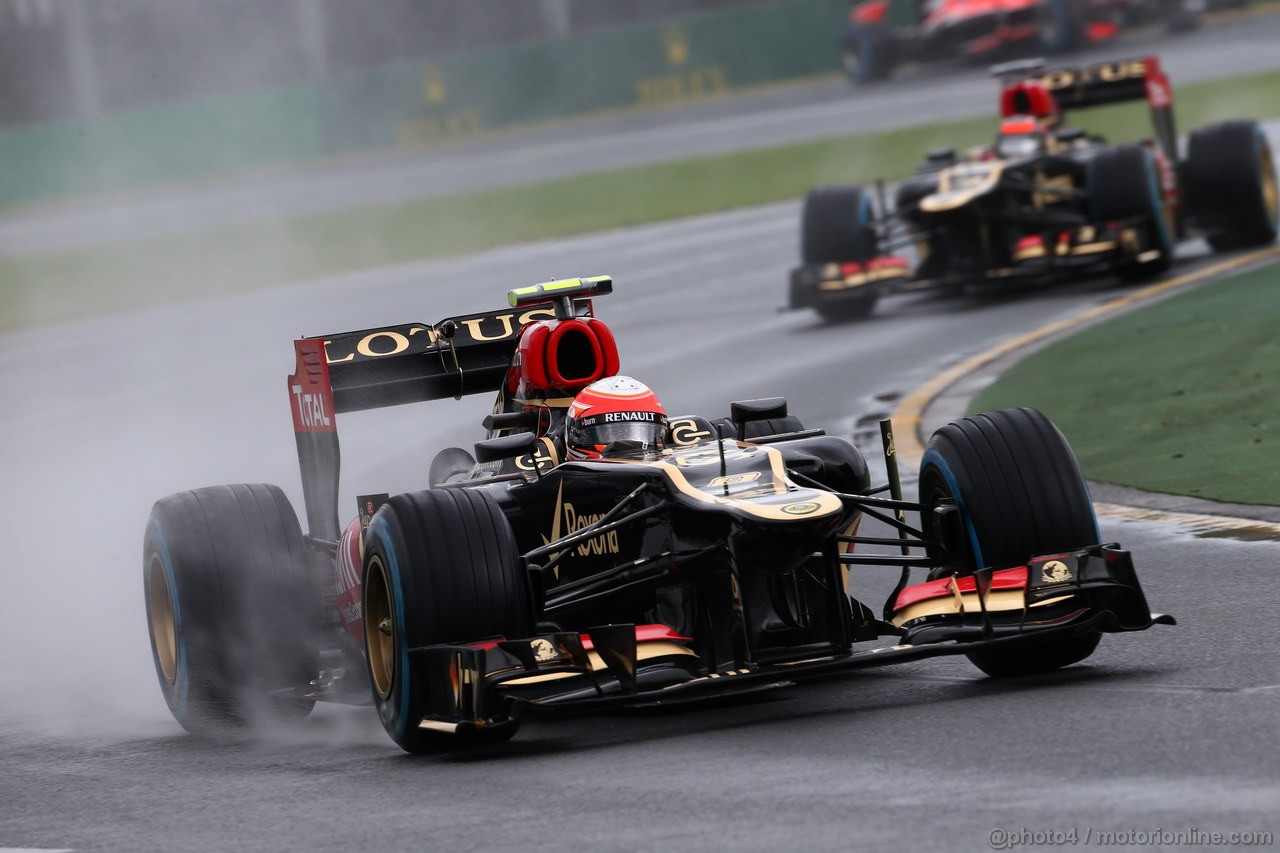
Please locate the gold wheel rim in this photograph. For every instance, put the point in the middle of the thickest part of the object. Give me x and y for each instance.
(164, 629)
(379, 628)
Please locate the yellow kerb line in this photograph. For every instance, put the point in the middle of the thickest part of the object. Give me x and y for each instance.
(1194, 520)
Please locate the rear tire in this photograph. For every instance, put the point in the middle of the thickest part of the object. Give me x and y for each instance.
(837, 226)
(1124, 186)
(1230, 181)
(1020, 494)
(440, 566)
(232, 608)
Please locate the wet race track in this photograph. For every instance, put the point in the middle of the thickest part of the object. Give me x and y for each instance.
(1172, 729)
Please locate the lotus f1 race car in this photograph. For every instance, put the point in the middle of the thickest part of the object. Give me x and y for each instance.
(1046, 201)
(519, 582)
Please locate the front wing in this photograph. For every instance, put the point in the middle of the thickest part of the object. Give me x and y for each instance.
(490, 683)
(812, 285)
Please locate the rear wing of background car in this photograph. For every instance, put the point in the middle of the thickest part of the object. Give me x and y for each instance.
(410, 363)
(1117, 82)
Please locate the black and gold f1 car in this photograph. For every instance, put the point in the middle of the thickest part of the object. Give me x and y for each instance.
(1044, 202)
(520, 583)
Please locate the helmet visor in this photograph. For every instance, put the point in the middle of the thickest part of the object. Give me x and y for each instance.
(1012, 147)
(620, 437)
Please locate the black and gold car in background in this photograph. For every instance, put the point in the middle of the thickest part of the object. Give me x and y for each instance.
(1046, 201)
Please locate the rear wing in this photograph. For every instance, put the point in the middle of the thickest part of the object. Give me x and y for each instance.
(410, 363)
(1117, 82)
(373, 368)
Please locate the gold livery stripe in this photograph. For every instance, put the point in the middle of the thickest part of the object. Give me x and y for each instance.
(437, 726)
(1002, 600)
(948, 198)
(644, 651)
(1081, 249)
(862, 279)
(826, 502)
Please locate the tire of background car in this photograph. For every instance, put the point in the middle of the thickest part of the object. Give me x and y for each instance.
(1125, 185)
(1182, 16)
(866, 53)
(1020, 494)
(1230, 183)
(1059, 26)
(233, 609)
(440, 566)
(836, 227)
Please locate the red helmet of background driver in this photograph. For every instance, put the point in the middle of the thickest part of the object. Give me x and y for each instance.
(611, 410)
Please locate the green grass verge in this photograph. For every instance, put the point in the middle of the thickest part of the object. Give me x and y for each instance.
(37, 289)
(1179, 397)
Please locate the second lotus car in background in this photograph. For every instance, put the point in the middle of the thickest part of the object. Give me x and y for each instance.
(1046, 200)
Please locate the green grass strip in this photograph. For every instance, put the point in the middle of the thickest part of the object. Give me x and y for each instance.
(1179, 397)
(37, 289)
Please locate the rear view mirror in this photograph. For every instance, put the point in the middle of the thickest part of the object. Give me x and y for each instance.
(745, 411)
(505, 447)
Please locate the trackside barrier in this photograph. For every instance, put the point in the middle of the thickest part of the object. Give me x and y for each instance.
(687, 58)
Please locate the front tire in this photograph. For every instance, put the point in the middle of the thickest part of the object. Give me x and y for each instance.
(1230, 180)
(1124, 186)
(440, 567)
(1020, 494)
(837, 226)
(232, 610)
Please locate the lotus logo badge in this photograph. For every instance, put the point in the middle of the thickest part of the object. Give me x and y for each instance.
(1055, 571)
(735, 479)
(543, 650)
(800, 509)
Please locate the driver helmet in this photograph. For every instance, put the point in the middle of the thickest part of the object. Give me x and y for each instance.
(1020, 136)
(615, 415)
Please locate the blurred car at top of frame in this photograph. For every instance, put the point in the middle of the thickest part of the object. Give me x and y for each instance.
(1045, 201)
(595, 553)
(884, 34)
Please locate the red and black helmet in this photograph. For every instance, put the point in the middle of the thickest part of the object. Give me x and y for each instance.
(615, 415)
